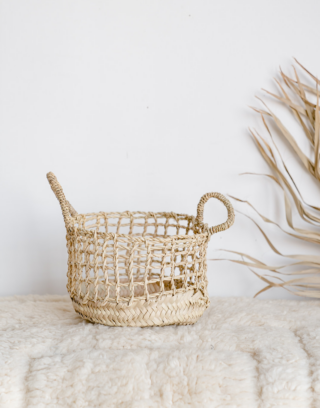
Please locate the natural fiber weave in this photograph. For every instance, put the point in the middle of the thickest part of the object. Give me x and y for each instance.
(137, 268)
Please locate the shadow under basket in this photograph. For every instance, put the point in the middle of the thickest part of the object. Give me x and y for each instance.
(136, 268)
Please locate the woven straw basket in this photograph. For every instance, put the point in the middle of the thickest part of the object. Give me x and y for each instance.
(136, 268)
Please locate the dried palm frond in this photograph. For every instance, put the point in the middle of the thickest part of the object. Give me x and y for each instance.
(306, 280)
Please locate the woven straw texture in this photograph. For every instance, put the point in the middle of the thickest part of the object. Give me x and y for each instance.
(136, 268)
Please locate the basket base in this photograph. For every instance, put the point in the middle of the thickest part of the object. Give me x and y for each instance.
(181, 309)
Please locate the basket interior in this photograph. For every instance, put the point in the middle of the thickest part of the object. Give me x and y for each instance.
(138, 223)
(120, 268)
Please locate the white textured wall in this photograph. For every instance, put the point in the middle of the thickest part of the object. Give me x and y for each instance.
(138, 105)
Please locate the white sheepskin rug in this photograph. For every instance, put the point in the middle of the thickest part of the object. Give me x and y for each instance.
(241, 353)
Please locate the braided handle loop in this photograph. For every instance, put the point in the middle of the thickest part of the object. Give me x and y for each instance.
(66, 207)
(228, 205)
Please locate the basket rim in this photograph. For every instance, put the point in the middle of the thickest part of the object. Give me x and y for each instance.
(148, 238)
(151, 213)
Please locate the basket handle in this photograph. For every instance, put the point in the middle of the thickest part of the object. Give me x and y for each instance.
(66, 207)
(228, 205)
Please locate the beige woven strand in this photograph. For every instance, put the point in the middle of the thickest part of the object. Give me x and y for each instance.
(228, 205)
(66, 207)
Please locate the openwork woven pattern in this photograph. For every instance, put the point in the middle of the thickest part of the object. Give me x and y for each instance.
(137, 268)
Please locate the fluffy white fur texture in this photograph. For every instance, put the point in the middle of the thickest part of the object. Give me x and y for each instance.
(242, 353)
